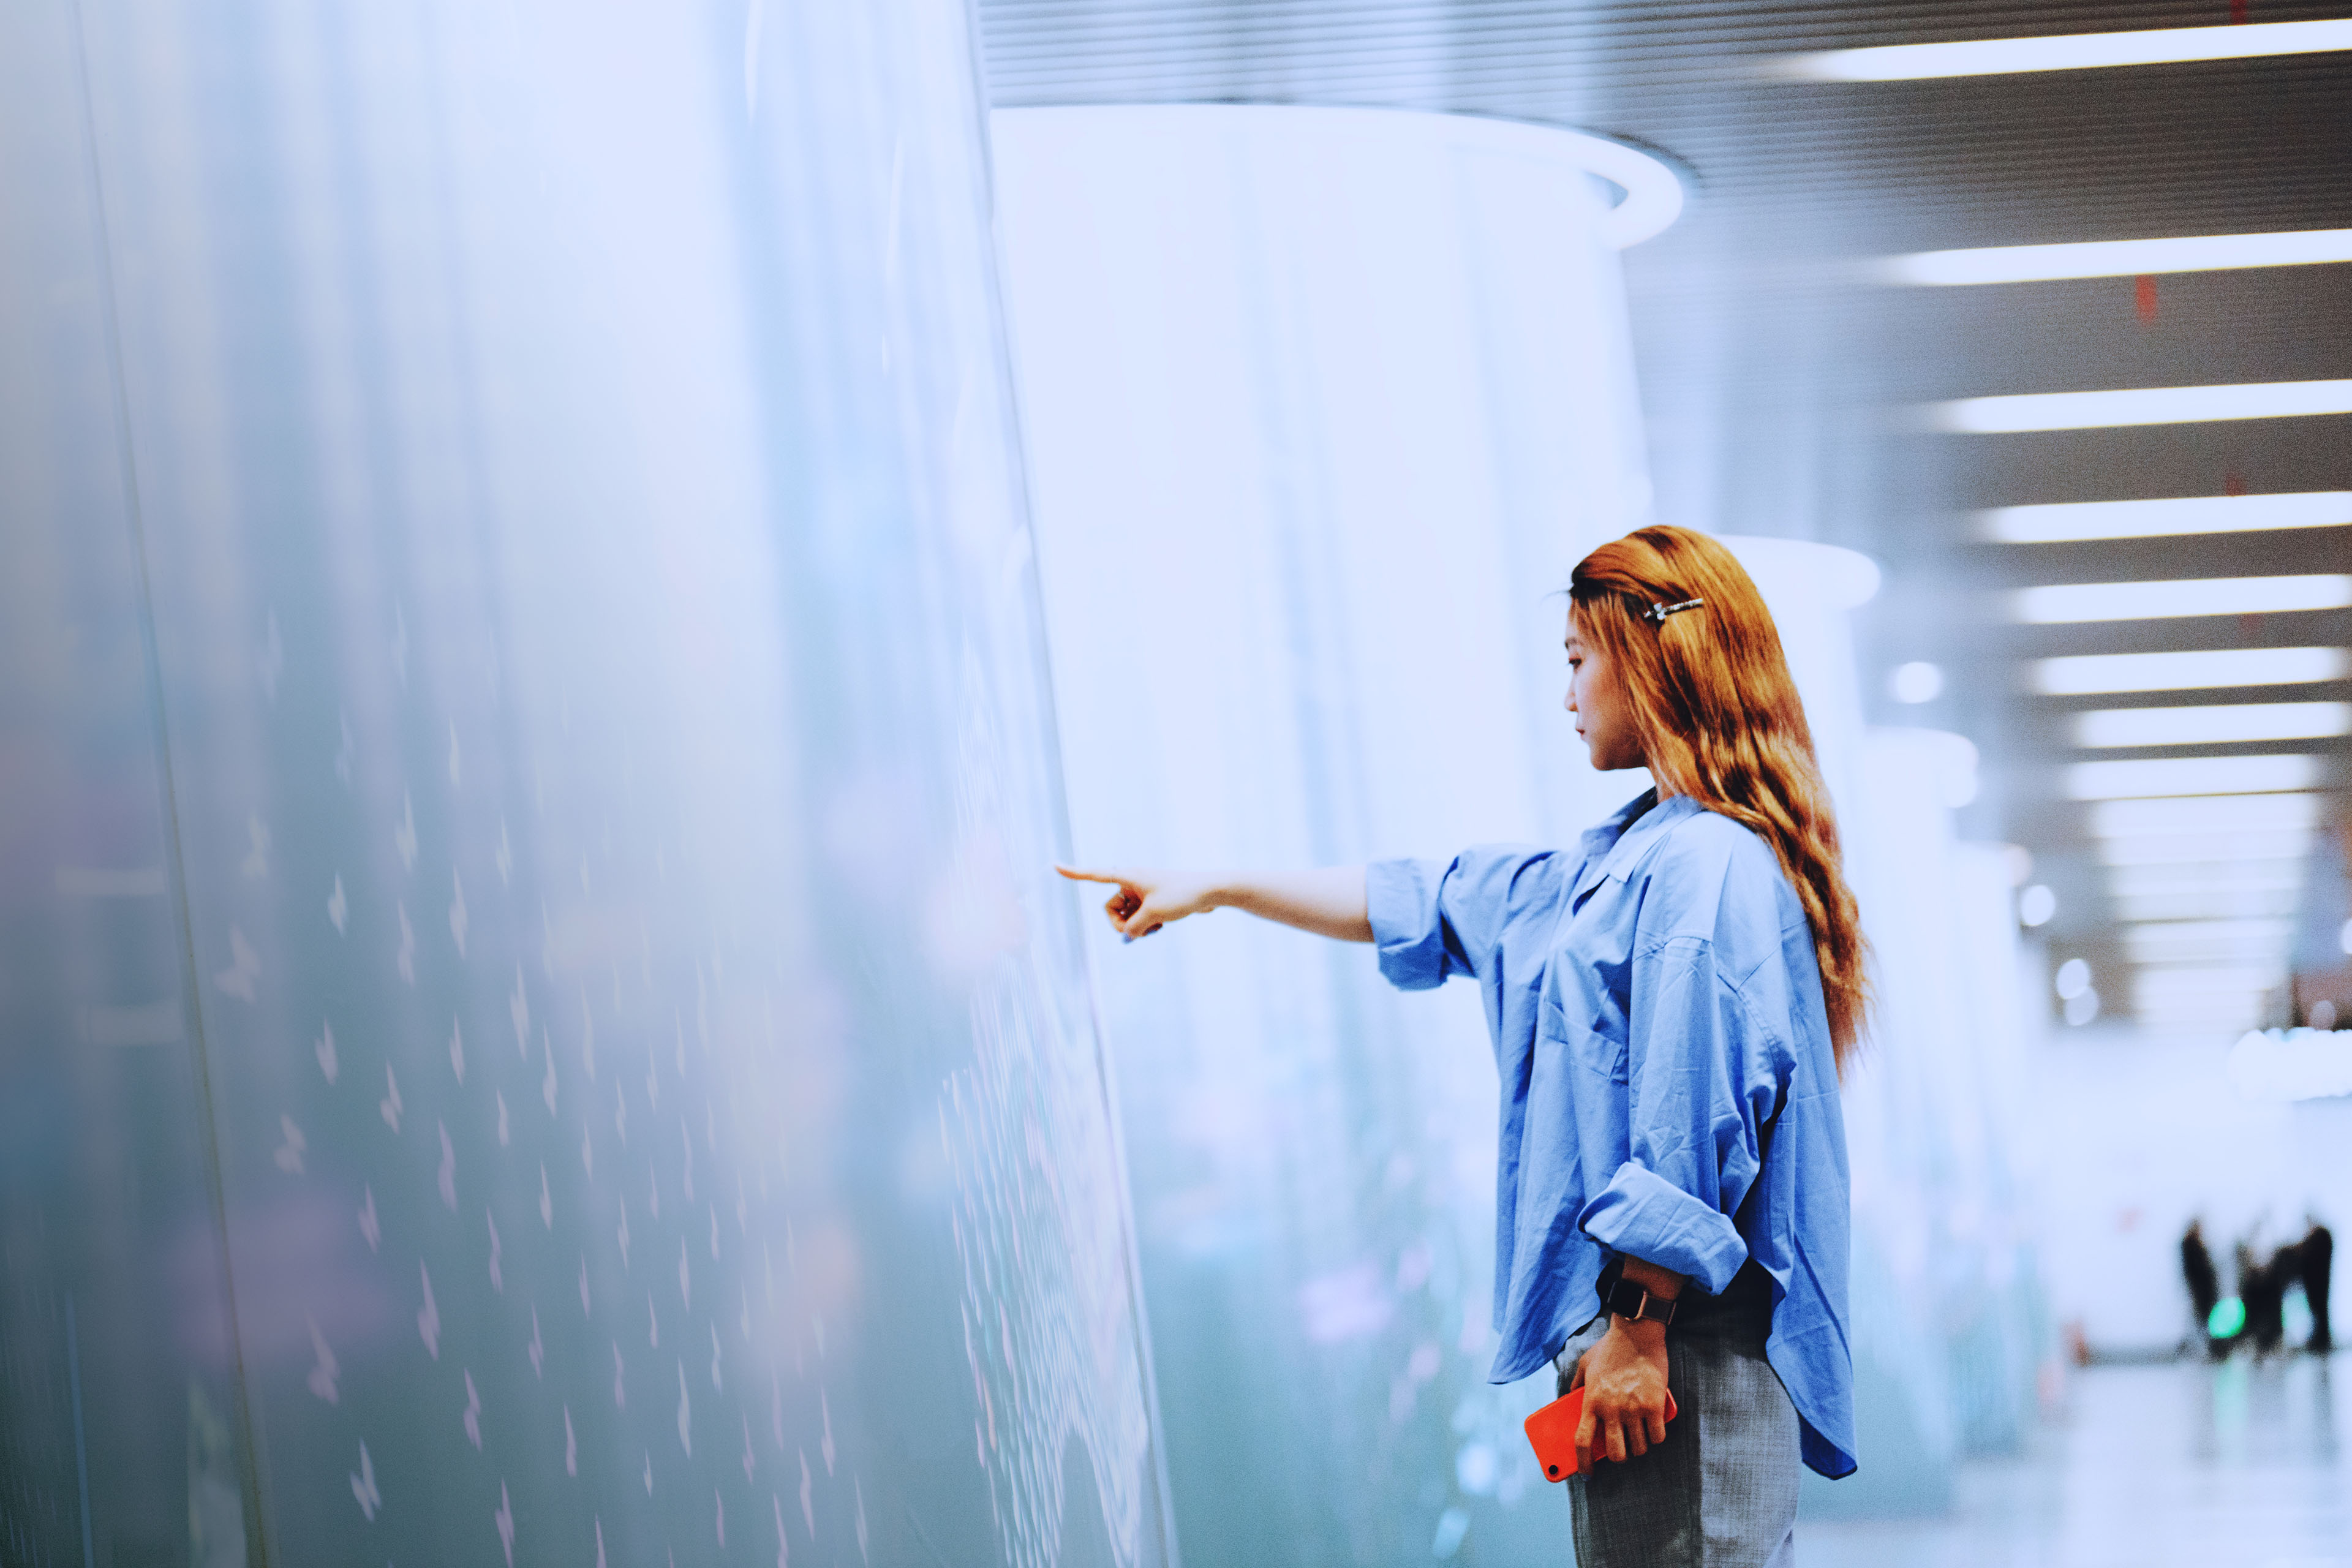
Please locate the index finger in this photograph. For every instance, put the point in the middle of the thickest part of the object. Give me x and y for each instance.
(1076, 875)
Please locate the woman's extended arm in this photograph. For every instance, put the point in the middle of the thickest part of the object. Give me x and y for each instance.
(1329, 900)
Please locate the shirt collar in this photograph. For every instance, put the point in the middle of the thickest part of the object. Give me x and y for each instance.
(1611, 848)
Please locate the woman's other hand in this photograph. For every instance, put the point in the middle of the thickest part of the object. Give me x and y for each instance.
(1624, 1381)
(1146, 901)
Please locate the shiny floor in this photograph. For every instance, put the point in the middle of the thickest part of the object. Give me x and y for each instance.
(2147, 1467)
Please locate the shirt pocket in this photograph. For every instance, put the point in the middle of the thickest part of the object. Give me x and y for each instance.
(1598, 1050)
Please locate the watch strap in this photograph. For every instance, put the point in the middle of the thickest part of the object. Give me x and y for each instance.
(1627, 1299)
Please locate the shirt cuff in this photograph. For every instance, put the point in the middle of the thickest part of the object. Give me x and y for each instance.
(1401, 901)
(1642, 1215)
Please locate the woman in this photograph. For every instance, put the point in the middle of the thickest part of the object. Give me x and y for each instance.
(1672, 1003)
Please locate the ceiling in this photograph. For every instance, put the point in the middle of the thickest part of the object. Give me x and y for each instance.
(1777, 379)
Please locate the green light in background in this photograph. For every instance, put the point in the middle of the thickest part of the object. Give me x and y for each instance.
(2228, 1316)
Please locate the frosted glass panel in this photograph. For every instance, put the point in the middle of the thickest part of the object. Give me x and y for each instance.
(118, 1398)
(608, 974)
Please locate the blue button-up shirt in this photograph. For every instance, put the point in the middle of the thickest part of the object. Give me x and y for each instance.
(1655, 1002)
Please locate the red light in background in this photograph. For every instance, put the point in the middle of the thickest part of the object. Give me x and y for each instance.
(2144, 297)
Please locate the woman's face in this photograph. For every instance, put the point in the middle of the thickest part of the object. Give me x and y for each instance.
(1597, 697)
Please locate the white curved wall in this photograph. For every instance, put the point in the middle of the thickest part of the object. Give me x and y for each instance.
(1341, 384)
(1321, 406)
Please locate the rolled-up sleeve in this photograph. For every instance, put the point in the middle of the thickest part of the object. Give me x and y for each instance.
(1642, 1215)
(1432, 919)
(1702, 1079)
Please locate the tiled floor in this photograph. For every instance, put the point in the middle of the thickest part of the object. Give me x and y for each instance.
(2239, 1465)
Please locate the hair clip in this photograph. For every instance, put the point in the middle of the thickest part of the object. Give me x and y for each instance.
(1657, 613)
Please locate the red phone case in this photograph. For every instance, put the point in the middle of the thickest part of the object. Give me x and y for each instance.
(1551, 1432)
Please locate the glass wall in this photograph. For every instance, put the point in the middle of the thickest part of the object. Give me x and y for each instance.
(536, 1023)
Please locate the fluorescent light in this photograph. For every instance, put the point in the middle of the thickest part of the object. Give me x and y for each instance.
(2210, 972)
(2209, 999)
(2052, 523)
(2079, 675)
(2206, 904)
(2137, 406)
(2191, 775)
(2185, 985)
(2218, 877)
(2206, 940)
(2116, 258)
(2179, 597)
(2203, 814)
(2218, 724)
(2186, 848)
(2202, 1019)
(2070, 51)
(2206, 999)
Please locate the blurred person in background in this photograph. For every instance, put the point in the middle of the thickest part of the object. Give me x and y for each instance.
(2316, 1261)
(2261, 1286)
(1671, 1003)
(2203, 1280)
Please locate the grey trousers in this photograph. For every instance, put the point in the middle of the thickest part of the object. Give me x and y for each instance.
(1721, 1491)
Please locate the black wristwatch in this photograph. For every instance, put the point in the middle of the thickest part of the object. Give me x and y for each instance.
(1628, 1300)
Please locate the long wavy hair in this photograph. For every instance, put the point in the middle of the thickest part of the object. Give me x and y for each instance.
(1720, 722)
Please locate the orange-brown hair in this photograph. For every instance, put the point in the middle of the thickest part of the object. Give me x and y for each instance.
(1720, 722)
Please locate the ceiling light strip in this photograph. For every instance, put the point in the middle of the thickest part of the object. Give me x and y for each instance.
(2154, 853)
(2114, 258)
(2207, 940)
(2064, 602)
(2218, 879)
(2064, 522)
(2191, 775)
(2212, 725)
(2204, 814)
(2075, 51)
(2279, 903)
(2210, 854)
(2136, 405)
(2087, 674)
(2179, 990)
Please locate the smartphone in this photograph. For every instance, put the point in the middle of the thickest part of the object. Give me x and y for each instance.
(1551, 1432)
